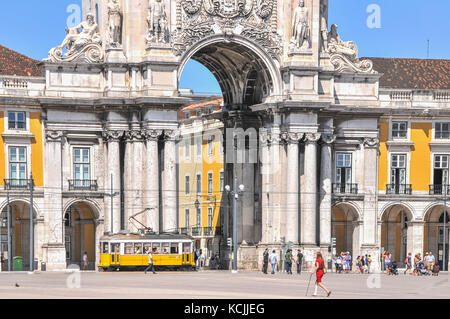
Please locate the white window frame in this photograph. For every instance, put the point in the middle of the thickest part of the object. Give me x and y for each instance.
(221, 180)
(210, 145)
(28, 152)
(187, 185)
(210, 185)
(198, 191)
(210, 217)
(91, 156)
(27, 120)
(406, 137)
(435, 130)
(187, 218)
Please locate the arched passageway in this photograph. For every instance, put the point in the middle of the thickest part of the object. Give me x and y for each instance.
(19, 232)
(345, 228)
(394, 231)
(434, 233)
(80, 230)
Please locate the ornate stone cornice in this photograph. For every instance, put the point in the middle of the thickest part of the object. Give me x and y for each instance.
(112, 135)
(54, 136)
(371, 142)
(312, 137)
(152, 135)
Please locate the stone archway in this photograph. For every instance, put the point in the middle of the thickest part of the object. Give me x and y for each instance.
(433, 239)
(345, 228)
(19, 232)
(396, 231)
(80, 234)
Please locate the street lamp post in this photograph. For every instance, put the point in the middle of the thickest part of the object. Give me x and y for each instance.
(444, 266)
(236, 192)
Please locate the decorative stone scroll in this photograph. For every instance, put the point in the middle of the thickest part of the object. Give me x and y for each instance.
(344, 55)
(292, 137)
(152, 135)
(371, 142)
(252, 19)
(328, 138)
(312, 137)
(171, 135)
(134, 136)
(54, 136)
(81, 46)
(112, 135)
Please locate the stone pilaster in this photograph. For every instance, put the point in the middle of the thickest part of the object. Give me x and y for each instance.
(113, 138)
(169, 189)
(53, 200)
(325, 189)
(292, 186)
(370, 186)
(415, 235)
(309, 194)
(151, 189)
(267, 230)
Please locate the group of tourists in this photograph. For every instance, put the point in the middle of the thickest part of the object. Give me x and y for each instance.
(417, 267)
(199, 259)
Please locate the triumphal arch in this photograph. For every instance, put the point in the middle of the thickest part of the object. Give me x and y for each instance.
(113, 85)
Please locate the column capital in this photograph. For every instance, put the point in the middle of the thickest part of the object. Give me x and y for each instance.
(328, 139)
(311, 138)
(134, 136)
(171, 135)
(112, 135)
(292, 137)
(152, 134)
(371, 142)
(54, 135)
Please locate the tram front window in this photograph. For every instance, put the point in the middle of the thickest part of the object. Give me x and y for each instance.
(105, 248)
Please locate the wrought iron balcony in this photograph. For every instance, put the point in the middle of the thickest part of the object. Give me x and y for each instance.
(339, 188)
(437, 189)
(19, 184)
(196, 231)
(184, 231)
(398, 189)
(83, 185)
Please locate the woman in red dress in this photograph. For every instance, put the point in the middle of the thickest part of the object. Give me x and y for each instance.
(319, 270)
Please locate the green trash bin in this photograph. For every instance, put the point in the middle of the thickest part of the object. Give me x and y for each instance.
(18, 263)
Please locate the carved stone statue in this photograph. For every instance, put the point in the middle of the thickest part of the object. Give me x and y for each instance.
(115, 23)
(82, 45)
(157, 22)
(300, 27)
(324, 24)
(344, 55)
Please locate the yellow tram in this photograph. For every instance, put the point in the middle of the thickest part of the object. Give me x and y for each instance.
(130, 252)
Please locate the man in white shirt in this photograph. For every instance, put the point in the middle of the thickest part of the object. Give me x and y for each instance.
(150, 263)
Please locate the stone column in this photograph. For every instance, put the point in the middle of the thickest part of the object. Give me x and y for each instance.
(292, 186)
(309, 194)
(169, 191)
(113, 139)
(128, 178)
(151, 189)
(325, 190)
(266, 232)
(415, 234)
(53, 202)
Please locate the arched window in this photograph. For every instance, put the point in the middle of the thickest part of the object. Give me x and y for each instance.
(441, 219)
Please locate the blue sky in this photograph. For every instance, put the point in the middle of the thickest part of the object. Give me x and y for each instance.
(33, 27)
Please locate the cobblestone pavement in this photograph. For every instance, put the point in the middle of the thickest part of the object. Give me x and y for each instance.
(217, 284)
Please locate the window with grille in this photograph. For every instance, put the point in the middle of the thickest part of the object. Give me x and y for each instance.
(16, 120)
(187, 184)
(81, 166)
(199, 183)
(18, 165)
(399, 129)
(210, 183)
(442, 131)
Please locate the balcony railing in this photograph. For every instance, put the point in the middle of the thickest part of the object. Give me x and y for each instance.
(196, 231)
(437, 189)
(20, 184)
(398, 189)
(200, 231)
(340, 188)
(83, 185)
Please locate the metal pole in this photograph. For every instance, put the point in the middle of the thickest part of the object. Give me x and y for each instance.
(236, 196)
(445, 229)
(31, 225)
(8, 209)
(112, 207)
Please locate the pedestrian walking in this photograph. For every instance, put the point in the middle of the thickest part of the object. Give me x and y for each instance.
(201, 260)
(217, 260)
(319, 270)
(273, 261)
(408, 263)
(299, 261)
(150, 263)
(387, 262)
(338, 264)
(369, 262)
(85, 261)
(265, 260)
